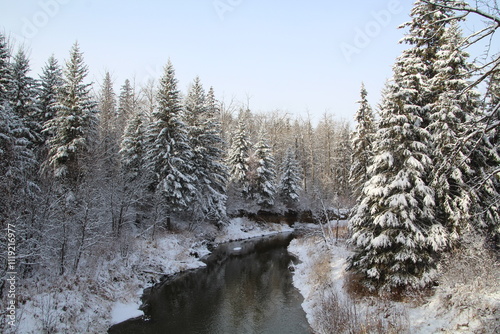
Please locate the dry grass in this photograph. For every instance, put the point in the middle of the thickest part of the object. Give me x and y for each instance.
(342, 311)
(339, 313)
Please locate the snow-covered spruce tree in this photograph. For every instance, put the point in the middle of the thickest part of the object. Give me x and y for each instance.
(396, 236)
(50, 83)
(127, 106)
(74, 124)
(16, 159)
(18, 175)
(454, 109)
(289, 186)
(238, 159)
(132, 148)
(109, 137)
(362, 144)
(263, 184)
(107, 106)
(485, 161)
(133, 164)
(5, 70)
(114, 197)
(168, 154)
(342, 162)
(209, 171)
(24, 96)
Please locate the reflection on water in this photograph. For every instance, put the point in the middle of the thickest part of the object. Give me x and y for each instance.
(245, 288)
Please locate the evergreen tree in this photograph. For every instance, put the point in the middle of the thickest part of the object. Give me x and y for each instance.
(239, 153)
(238, 158)
(50, 83)
(455, 108)
(263, 187)
(485, 159)
(395, 233)
(289, 187)
(74, 124)
(342, 162)
(204, 135)
(109, 136)
(133, 163)
(213, 106)
(362, 144)
(133, 148)
(16, 161)
(24, 96)
(5, 71)
(126, 106)
(168, 153)
(107, 105)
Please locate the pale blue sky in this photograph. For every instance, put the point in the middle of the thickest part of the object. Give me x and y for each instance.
(293, 55)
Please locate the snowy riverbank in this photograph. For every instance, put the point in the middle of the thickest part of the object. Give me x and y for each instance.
(90, 302)
(465, 302)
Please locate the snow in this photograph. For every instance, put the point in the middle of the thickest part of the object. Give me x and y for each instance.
(122, 312)
(309, 252)
(244, 228)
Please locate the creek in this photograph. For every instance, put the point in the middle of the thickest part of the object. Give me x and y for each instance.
(246, 287)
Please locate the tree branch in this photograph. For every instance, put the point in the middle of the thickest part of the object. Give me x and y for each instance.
(467, 9)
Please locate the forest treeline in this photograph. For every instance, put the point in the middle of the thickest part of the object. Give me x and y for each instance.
(86, 164)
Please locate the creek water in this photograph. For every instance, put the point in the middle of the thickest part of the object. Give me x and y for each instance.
(246, 287)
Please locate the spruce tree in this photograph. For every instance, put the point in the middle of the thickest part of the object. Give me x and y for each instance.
(73, 127)
(107, 106)
(168, 152)
(24, 96)
(485, 161)
(263, 187)
(205, 141)
(132, 149)
(455, 108)
(17, 161)
(126, 106)
(5, 71)
(50, 83)
(238, 158)
(109, 135)
(362, 144)
(342, 161)
(289, 187)
(134, 171)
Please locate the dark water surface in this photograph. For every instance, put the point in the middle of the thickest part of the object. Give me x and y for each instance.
(245, 288)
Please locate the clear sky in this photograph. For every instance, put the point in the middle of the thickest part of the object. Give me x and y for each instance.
(292, 55)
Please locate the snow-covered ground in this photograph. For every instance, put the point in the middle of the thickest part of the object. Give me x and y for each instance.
(90, 302)
(242, 228)
(466, 304)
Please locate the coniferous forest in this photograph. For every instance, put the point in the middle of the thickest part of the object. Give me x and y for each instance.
(95, 174)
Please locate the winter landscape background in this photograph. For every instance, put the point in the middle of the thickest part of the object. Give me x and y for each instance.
(109, 186)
